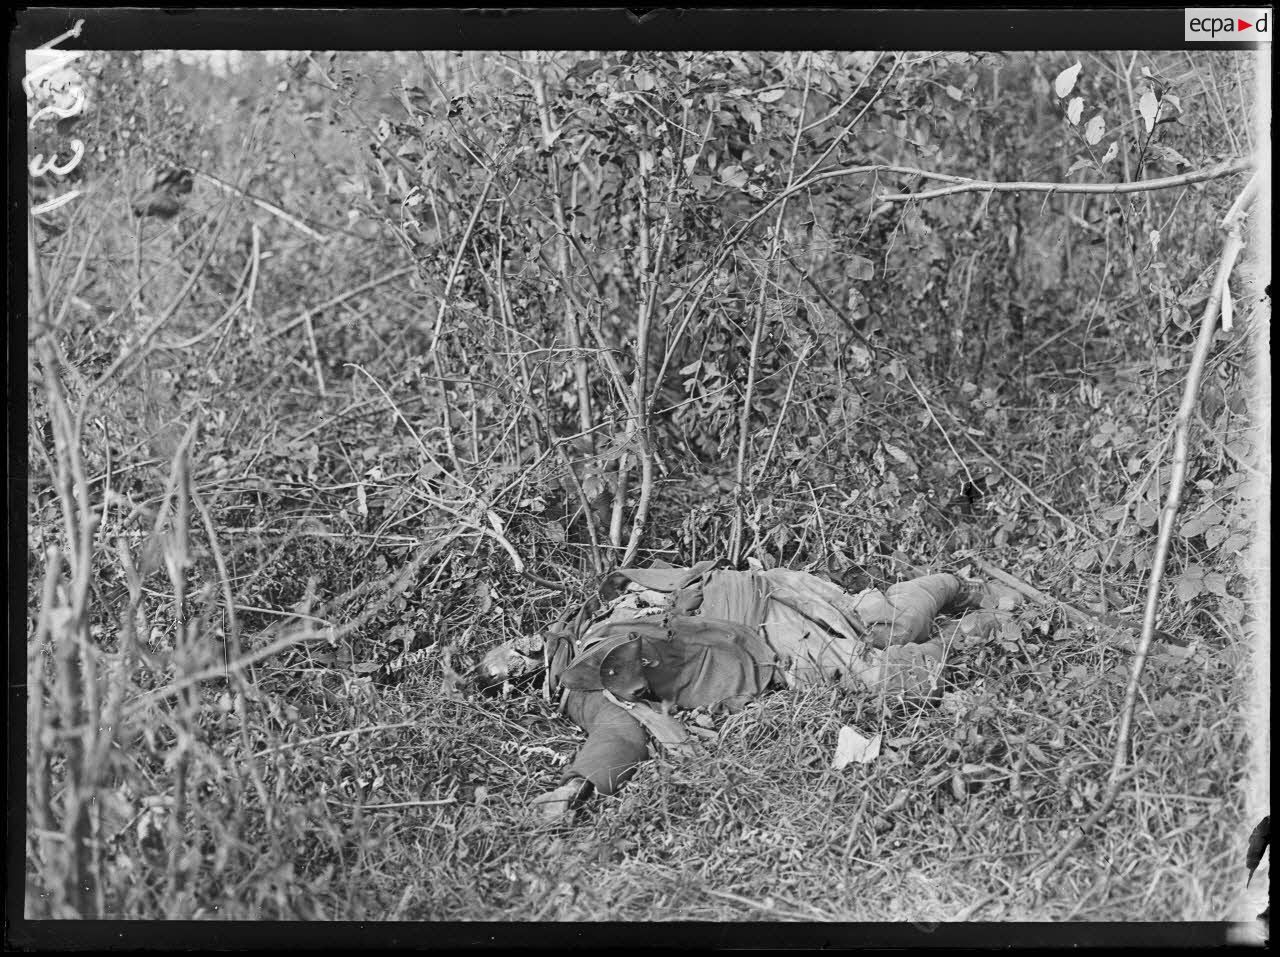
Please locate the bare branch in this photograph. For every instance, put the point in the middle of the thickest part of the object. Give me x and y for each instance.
(1181, 454)
(1143, 186)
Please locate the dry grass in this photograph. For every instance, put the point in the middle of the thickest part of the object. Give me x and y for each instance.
(759, 827)
(316, 792)
(407, 803)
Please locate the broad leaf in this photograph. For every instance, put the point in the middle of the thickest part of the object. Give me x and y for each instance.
(861, 268)
(734, 176)
(1168, 155)
(1148, 106)
(1094, 129)
(1066, 80)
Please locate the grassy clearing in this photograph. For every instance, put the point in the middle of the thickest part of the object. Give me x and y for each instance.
(408, 803)
(759, 828)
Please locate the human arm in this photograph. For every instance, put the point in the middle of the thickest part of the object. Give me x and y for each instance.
(616, 743)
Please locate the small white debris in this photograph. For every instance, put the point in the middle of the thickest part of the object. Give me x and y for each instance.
(851, 746)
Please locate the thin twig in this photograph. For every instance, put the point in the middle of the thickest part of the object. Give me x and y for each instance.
(762, 309)
(744, 414)
(639, 432)
(231, 639)
(144, 338)
(763, 905)
(262, 204)
(946, 438)
(452, 277)
(1017, 481)
(457, 479)
(572, 331)
(786, 403)
(1141, 186)
(330, 633)
(336, 736)
(341, 297)
(402, 804)
(540, 422)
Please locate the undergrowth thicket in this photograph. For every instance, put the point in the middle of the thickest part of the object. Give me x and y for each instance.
(432, 340)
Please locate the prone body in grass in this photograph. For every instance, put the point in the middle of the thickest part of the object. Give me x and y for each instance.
(714, 638)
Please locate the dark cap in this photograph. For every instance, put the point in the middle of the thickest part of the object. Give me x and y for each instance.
(587, 672)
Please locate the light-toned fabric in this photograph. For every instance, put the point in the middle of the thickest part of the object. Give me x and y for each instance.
(751, 627)
(877, 640)
(666, 729)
